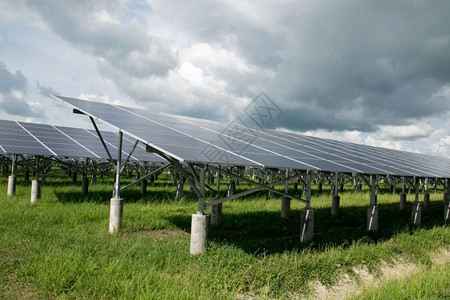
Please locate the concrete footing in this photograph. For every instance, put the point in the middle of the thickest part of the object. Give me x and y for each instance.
(231, 189)
(426, 200)
(372, 218)
(335, 206)
(402, 201)
(115, 215)
(285, 207)
(74, 177)
(416, 213)
(199, 233)
(144, 187)
(216, 215)
(93, 179)
(447, 211)
(179, 193)
(306, 225)
(84, 186)
(11, 185)
(26, 177)
(35, 190)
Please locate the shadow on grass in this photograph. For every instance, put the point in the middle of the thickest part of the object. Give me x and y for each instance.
(266, 232)
(130, 196)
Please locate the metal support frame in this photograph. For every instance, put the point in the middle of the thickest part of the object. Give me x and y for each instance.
(129, 155)
(259, 185)
(116, 193)
(101, 139)
(201, 198)
(336, 182)
(143, 178)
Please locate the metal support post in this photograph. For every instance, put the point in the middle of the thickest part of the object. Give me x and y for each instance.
(416, 213)
(426, 194)
(372, 210)
(116, 204)
(307, 215)
(286, 201)
(216, 210)
(336, 199)
(446, 200)
(403, 195)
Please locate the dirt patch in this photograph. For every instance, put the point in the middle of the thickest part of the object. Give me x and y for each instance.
(162, 233)
(348, 286)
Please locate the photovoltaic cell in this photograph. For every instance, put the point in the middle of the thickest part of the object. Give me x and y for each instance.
(196, 140)
(64, 142)
(15, 140)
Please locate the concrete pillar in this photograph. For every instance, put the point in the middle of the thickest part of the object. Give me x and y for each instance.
(93, 179)
(295, 188)
(74, 177)
(285, 207)
(426, 199)
(335, 206)
(26, 177)
(84, 186)
(402, 201)
(11, 185)
(372, 217)
(143, 187)
(306, 225)
(416, 213)
(447, 211)
(319, 187)
(199, 233)
(179, 193)
(216, 214)
(35, 190)
(115, 215)
(341, 188)
(152, 179)
(231, 189)
(43, 177)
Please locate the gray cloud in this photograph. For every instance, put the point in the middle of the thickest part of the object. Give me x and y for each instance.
(46, 91)
(10, 81)
(347, 65)
(12, 89)
(93, 26)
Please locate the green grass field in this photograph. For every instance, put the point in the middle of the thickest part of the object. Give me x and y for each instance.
(60, 247)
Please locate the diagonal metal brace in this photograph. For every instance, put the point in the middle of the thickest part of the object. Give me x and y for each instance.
(262, 186)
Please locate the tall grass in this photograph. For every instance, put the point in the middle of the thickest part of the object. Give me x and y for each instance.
(60, 248)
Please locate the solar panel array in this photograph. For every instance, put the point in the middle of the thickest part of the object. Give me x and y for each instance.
(65, 142)
(203, 141)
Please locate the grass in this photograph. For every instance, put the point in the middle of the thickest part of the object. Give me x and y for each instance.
(60, 248)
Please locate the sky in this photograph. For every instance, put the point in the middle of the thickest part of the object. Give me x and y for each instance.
(373, 72)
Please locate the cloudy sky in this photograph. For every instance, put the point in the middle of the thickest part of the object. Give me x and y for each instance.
(374, 72)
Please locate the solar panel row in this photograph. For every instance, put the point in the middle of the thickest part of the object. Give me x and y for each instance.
(58, 141)
(203, 141)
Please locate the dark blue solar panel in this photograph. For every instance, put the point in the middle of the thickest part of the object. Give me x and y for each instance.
(205, 141)
(15, 140)
(58, 142)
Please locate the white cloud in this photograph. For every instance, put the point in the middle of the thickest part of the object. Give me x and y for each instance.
(359, 72)
(420, 129)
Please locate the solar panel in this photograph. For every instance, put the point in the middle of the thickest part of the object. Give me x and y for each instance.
(58, 141)
(196, 140)
(14, 139)
(61, 144)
